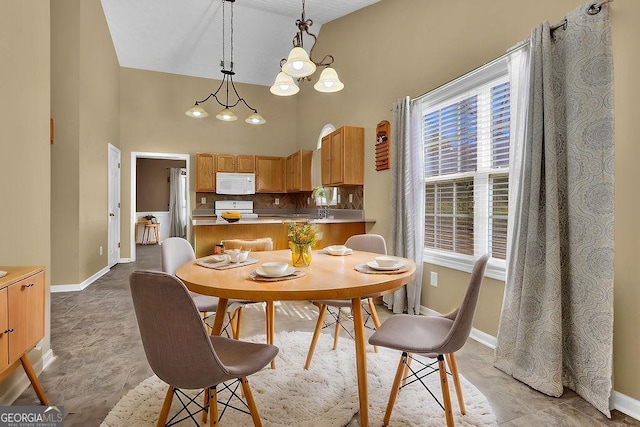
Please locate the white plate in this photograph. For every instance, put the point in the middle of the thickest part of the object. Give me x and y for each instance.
(375, 266)
(348, 251)
(287, 272)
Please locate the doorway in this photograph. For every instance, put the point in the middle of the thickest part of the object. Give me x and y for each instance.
(135, 211)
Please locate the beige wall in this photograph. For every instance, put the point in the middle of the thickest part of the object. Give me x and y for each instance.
(152, 184)
(407, 47)
(85, 105)
(24, 144)
(152, 119)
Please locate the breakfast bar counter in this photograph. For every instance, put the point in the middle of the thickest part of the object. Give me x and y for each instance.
(209, 230)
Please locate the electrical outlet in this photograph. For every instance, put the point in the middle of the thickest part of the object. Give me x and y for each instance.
(339, 198)
(434, 279)
(100, 250)
(308, 200)
(350, 198)
(203, 200)
(277, 201)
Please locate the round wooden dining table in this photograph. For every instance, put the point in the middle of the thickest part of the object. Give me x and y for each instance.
(328, 277)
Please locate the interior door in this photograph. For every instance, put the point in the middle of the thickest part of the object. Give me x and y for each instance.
(114, 206)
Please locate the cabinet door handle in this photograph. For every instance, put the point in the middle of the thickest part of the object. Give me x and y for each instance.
(28, 286)
(8, 331)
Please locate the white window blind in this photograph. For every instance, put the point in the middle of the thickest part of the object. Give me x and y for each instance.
(466, 137)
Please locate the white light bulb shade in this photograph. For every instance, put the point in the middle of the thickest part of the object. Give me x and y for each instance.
(255, 119)
(329, 81)
(298, 63)
(196, 111)
(284, 85)
(226, 115)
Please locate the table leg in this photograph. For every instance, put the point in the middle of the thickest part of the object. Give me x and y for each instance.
(270, 320)
(219, 319)
(361, 361)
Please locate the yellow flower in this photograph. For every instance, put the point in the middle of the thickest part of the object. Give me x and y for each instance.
(301, 233)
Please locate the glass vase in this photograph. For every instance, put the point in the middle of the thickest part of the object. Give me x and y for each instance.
(300, 255)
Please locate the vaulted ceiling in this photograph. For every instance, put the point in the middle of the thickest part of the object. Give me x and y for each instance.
(185, 37)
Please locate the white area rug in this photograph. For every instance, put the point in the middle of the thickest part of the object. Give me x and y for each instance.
(326, 395)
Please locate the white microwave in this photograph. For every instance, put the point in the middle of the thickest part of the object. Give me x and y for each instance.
(235, 183)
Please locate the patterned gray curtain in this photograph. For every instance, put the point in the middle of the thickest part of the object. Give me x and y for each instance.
(177, 217)
(556, 327)
(407, 201)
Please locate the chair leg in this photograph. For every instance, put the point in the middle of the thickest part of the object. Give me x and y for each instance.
(205, 404)
(446, 398)
(236, 323)
(395, 388)
(250, 402)
(336, 334)
(166, 406)
(374, 317)
(406, 370)
(213, 407)
(316, 333)
(453, 366)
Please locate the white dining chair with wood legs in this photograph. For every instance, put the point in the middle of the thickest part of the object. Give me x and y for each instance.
(176, 251)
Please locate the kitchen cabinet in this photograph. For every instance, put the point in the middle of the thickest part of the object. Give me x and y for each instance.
(270, 174)
(298, 171)
(21, 321)
(241, 163)
(205, 172)
(342, 157)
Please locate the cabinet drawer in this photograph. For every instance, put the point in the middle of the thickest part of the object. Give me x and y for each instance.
(25, 314)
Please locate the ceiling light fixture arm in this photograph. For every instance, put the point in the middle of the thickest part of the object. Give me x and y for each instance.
(303, 25)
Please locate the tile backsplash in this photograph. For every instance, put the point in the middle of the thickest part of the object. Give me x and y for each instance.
(287, 200)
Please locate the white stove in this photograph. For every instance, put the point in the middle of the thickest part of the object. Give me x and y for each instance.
(245, 207)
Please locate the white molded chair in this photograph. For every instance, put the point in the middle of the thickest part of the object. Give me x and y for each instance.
(176, 251)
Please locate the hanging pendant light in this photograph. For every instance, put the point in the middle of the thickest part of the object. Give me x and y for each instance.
(226, 114)
(329, 81)
(197, 112)
(284, 85)
(300, 65)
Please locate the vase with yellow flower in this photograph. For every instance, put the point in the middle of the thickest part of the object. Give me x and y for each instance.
(302, 236)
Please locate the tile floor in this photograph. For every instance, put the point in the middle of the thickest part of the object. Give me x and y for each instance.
(99, 358)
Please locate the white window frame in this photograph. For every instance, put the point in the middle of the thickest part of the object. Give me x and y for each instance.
(489, 75)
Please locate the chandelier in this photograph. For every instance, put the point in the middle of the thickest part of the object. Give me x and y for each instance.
(299, 65)
(226, 114)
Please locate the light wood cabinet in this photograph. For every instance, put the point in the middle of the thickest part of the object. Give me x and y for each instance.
(298, 171)
(342, 157)
(205, 172)
(241, 163)
(21, 321)
(270, 174)
(207, 236)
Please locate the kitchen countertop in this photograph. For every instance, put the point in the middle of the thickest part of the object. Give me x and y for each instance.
(212, 220)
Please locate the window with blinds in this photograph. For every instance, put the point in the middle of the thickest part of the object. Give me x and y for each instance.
(466, 137)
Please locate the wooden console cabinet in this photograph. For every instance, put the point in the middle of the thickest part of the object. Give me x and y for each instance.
(21, 321)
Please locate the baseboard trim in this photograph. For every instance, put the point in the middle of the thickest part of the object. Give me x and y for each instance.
(476, 334)
(22, 382)
(625, 404)
(618, 401)
(81, 286)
